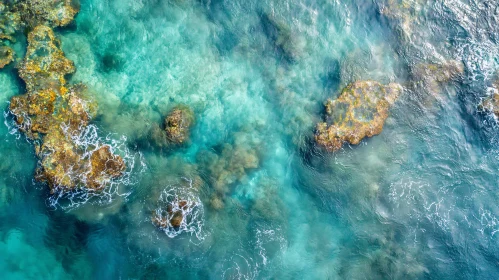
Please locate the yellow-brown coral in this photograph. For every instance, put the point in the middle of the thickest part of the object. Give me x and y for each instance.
(359, 112)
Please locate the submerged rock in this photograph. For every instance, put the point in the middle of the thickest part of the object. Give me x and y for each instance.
(360, 111)
(176, 128)
(282, 37)
(56, 116)
(433, 75)
(229, 166)
(178, 124)
(6, 56)
(173, 215)
(405, 12)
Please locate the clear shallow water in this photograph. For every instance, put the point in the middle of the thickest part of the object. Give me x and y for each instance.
(418, 201)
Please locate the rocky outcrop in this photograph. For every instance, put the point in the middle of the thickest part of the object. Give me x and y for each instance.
(55, 114)
(360, 111)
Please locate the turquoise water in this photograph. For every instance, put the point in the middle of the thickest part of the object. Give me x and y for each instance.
(419, 201)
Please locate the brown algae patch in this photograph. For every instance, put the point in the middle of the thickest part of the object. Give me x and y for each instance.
(360, 111)
(54, 115)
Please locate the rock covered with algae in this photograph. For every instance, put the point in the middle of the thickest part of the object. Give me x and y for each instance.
(55, 115)
(360, 111)
(178, 123)
(176, 127)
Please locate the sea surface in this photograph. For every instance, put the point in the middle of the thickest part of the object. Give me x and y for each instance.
(418, 201)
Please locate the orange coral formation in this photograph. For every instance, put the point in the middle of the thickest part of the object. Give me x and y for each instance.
(359, 112)
(54, 114)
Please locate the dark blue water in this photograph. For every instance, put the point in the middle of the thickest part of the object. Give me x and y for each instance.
(418, 201)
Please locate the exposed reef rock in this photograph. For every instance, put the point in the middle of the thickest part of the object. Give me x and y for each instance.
(176, 128)
(360, 111)
(55, 116)
(172, 216)
(178, 210)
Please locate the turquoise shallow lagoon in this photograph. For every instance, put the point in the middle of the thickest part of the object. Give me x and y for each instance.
(418, 201)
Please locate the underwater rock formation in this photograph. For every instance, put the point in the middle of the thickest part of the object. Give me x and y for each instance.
(282, 37)
(178, 123)
(405, 12)
(172, 216)
(6, 56)
(433, 75)
(55, 115)
(360, 111)
(229, 166)
(176, 128)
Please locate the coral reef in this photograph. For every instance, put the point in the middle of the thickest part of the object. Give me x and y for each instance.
(54, 115)
(360, 111)
(229, 165)
(176, 128)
